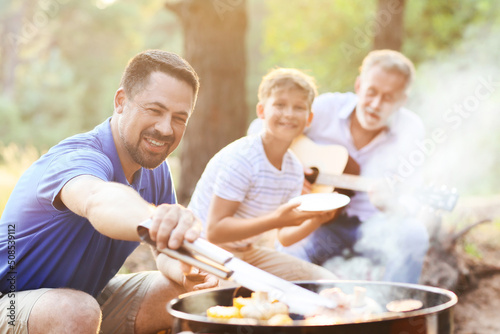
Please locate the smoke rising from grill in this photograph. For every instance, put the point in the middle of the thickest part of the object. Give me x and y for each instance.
(458, 95)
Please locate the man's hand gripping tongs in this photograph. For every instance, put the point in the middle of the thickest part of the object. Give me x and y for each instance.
(221, 263)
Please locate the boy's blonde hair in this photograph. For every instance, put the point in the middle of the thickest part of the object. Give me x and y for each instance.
(391, 61)
(287, 77)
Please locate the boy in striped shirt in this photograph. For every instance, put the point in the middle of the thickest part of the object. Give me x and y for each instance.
(245, 188)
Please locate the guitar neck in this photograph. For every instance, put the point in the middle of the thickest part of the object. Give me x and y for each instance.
(436, 198)
(330, 161)
(346, 181)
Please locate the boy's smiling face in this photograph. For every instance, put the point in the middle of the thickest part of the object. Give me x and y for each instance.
(286, 112)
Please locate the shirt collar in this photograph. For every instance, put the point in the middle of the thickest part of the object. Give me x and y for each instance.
(109, 149)
(348, 108)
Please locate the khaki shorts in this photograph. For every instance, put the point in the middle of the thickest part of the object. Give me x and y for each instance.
(120, 301)
(15, 309)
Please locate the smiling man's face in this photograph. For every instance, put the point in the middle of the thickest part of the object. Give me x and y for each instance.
(151, 123)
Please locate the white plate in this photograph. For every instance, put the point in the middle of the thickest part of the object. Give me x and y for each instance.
(320, 201)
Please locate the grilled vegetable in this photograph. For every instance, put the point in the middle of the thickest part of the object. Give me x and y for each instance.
(223, 312)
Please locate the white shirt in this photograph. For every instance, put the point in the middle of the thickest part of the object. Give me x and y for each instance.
(387, 155)
(241, 172)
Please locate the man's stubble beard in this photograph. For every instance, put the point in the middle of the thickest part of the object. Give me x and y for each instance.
(145, 159)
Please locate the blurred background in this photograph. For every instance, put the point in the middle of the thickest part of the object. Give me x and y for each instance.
(61, 63)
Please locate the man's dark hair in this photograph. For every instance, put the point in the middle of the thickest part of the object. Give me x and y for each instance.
(139, 69)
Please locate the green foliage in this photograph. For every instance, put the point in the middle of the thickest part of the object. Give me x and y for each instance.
(432, 26)
(327, 39)
(46, 106)
(68, 59)
(330, 38)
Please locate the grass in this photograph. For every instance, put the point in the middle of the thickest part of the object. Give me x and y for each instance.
(472, 250)
(14, 161)
(487, 234)
(483, 242)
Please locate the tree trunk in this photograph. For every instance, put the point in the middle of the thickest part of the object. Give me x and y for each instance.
(390, 14)
(214, 44)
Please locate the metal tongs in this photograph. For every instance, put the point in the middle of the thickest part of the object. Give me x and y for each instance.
(223, 264)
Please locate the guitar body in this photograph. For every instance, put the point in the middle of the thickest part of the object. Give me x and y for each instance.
(329, 159)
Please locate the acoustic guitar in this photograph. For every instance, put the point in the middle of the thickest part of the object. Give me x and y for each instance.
(333, 169)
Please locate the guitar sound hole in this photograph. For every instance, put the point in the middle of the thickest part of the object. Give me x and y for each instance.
(311, 178)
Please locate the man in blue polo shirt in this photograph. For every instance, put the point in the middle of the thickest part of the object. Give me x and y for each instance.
(71, 220)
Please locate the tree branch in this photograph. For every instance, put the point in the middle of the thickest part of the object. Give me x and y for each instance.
(466, 230)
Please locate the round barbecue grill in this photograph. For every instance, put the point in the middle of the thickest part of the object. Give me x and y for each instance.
(434, 317)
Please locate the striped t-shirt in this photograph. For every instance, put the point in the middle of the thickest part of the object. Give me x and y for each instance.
(241, 172)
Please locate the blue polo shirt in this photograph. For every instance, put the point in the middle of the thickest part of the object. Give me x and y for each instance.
(42, 246)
